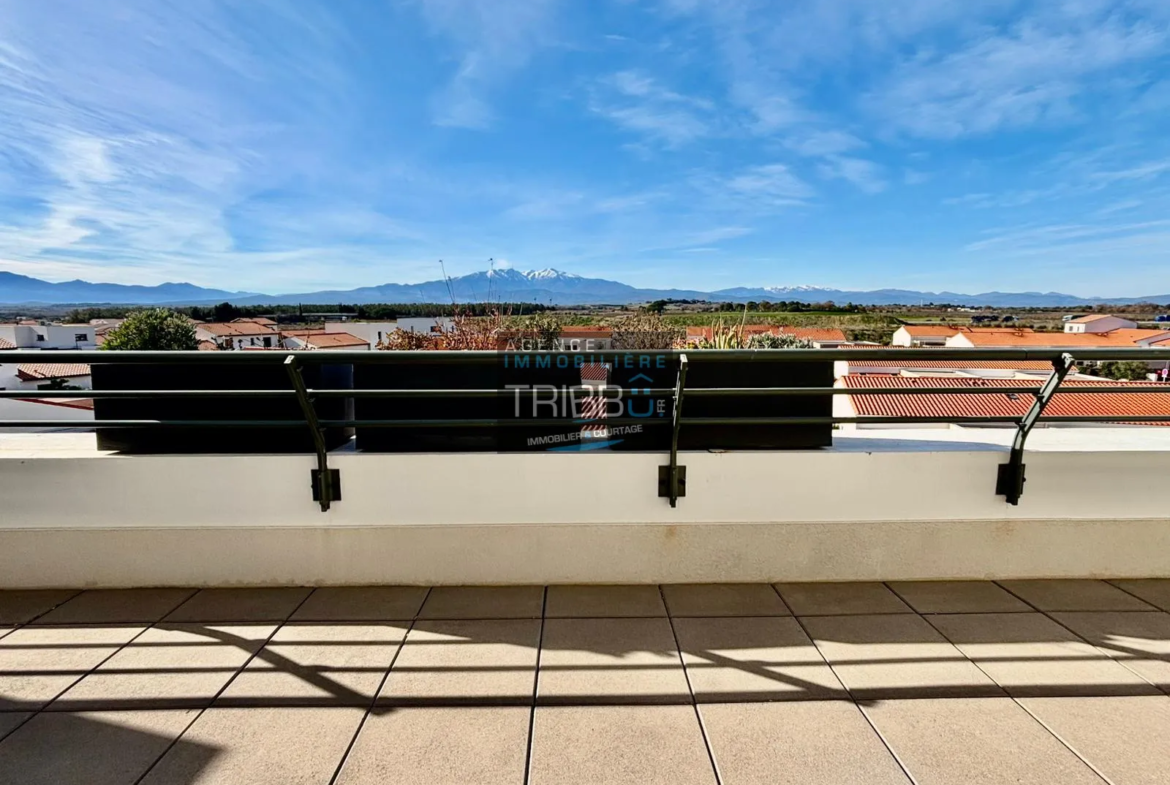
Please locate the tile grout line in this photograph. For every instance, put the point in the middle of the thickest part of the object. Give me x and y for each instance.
(1136, 597)
(1024, 708)
(535, 689)
(691, 690)
(89, 672)
(1078, 636)
(378, 692)
(228, 683)
(860, 710)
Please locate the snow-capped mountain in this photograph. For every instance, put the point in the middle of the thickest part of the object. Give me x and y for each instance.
(547, 286)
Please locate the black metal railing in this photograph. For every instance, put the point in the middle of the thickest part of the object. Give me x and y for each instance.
(672, 477)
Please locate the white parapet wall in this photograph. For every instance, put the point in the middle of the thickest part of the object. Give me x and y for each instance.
(900, 506)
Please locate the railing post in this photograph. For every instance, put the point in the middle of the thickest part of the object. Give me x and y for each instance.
(1010, 480)
(322, 477)
(672, 478)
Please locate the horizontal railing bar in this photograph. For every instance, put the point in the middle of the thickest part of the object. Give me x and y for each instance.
(607, 392)
(83, 394)
(564, 423)
(275, 357)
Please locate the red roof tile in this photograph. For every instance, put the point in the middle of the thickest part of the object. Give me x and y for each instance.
(1063, 404)
(33, 371)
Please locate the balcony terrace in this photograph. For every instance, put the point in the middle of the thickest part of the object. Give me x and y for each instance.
(874, 610)
(939, 682)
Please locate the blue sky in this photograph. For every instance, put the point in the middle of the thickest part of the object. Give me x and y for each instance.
(291, 145)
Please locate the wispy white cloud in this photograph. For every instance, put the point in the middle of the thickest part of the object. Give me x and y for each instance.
(768, 185)
(1034, 72)
(866, 175)
(493, 40)
(639, 103)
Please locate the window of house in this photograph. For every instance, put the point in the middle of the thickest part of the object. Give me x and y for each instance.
(80, 338)
(40, 337)
(267, 343)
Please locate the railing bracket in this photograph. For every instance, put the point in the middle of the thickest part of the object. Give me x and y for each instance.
(334, 483)
(664, 483)
(326, 481)
(672, 478)
(1010, 478)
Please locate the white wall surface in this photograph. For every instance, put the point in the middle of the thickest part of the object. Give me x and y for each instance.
(848, 513)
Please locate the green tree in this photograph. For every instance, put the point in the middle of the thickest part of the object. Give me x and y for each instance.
(156, 329)
(1132, 370)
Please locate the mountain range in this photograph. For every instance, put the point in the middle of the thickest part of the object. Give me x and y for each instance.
(508, 285)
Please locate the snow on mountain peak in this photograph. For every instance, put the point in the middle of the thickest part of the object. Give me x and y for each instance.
(547, 273)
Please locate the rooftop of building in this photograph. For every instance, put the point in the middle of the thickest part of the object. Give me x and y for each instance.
(1113, 338)
(37, 371)
(234, 329)
(1066, 402)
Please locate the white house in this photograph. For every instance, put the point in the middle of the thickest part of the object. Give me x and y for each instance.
(427, 324)
(372, 333)
(1098, 323)
(48, 336)
(238, 335)
(308, 340)
(37, 376)
(923, 335)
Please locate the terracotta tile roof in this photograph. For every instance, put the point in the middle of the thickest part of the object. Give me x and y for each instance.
(1128, 337)
(1000, 365)
(208, 346)
(332, 340)
(68, 403)
(1063, 404)
(33, 371)
(234, 329)
(819, 334)
(1091, 318)
(6, 345)
(254, 320)
(923, 330)
(303, 333)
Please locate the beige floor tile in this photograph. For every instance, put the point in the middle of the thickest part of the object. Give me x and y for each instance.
(758, 658)
(832, 599)
(20, 607)
(260, 747)
(958, 597)
(619, 745)
(797, 743)
(606, 660)
(483, 602)
(38, 663)
(362, 603)
(1070, 595)
(1123, 738)
(895, 656)
(93, 748)
(976, 741)
(1140, 640)
(453, 662)
(11, 720)
(603, 602)
(239, 605)
(1154, 591)
(1029, 654)
(179, 666)
(318, 665)
(723, 599)
(413, 746)
(116, 606)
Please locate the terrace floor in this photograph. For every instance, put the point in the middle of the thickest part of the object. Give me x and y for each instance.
(960, 682)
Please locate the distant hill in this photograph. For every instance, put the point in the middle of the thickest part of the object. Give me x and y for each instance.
(21, 289)
(536, 286)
